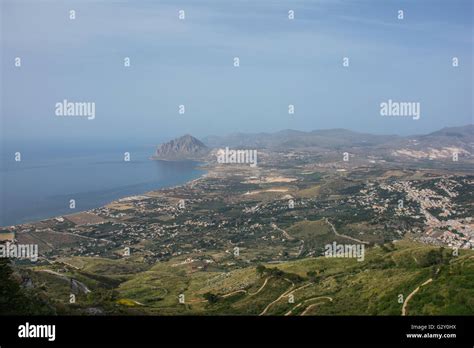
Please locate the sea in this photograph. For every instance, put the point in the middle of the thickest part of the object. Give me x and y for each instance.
(48, 176)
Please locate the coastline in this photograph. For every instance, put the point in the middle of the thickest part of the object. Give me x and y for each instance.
(198, 165)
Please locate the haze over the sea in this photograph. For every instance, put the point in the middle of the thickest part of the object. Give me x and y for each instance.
(42, 184)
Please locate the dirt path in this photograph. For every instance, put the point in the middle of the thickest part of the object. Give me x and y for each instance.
(464, 261)
(79, 284)
(235, 292)
(67, 264)
(291, 310)
(343, 235)
(245, 291)
(290, 238)
(280, 297)
(197, 300)
(293, 291)
(301, 287)
(405, 304)
(310, 306)
(301, 248)
(261, 288)
(81, 236)
(285, 234)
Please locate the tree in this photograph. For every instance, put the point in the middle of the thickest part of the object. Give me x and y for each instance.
(211, 298)
(261, 269)
(14, 300)
(433, 257)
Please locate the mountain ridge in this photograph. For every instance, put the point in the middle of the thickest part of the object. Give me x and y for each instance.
(289, 138)
(444, 141)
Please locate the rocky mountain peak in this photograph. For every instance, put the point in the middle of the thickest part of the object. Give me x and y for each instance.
(185, 147)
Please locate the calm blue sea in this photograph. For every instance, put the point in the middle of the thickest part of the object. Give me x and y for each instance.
(48, 176)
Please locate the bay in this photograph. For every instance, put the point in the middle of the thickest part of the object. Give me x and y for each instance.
(41, 185)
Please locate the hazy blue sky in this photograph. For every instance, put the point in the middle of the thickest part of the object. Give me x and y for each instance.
(190, 62)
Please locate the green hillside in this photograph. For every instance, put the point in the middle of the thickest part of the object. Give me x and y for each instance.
(312, 286)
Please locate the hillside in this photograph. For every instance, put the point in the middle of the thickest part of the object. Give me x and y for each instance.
(317, 286)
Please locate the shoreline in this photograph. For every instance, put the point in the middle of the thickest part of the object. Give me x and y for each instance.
(198, 166)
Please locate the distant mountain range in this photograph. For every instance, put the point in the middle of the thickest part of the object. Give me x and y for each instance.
(439, 144)
(292, 139)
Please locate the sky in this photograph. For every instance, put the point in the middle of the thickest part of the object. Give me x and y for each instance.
(190, 62)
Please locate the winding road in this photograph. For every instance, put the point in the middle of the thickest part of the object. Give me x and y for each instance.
(286, 293)
(405, 304)
(310, 306)
(235, 292)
